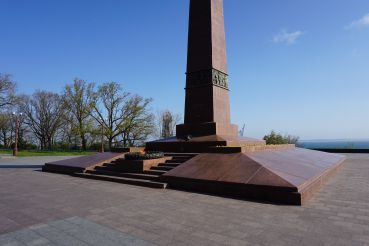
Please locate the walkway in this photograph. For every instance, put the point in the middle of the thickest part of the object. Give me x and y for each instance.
(49, 209)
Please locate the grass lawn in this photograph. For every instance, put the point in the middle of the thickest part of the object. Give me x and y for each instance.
(27, 153)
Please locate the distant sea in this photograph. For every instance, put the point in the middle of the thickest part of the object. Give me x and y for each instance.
(353, 144)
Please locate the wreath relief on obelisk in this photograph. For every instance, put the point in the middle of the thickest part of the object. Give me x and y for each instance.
(203, 77)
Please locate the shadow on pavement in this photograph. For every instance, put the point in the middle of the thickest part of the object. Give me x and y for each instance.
(20, 166)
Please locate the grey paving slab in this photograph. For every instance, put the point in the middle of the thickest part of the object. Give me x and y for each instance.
(72, 231)
(10, 162)
(87, 212)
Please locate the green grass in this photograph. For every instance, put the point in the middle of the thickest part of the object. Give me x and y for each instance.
(28, 153)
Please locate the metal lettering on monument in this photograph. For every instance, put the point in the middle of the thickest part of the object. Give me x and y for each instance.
(207, 77)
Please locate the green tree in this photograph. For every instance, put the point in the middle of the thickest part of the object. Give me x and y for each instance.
(139, 122)
(121, 115)
(6, 129)
(78, 99)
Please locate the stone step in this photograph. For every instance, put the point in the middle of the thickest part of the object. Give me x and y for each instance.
(181, 154)
(154, 172)
(125, 175)
(181, 157)
(169, 164)
(108, 164)
(110, 167)
(176, 161)
(163, 168)
(122, 180)
(118, 160)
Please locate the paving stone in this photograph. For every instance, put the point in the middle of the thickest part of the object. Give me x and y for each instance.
(39, 242)
(6, 238)
(48, 209)
(13, 243)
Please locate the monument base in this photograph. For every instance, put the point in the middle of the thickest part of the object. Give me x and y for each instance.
(201, 144)
(206, 129)
(248, 168)
(287, 176)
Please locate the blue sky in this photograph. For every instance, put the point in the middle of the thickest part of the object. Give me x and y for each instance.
(296, 66)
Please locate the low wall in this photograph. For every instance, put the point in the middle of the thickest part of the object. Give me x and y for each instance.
(343, 150)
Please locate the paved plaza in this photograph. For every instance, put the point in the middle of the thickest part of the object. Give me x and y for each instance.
(50, 209)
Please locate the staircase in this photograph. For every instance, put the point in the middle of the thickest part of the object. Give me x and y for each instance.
(149, 178)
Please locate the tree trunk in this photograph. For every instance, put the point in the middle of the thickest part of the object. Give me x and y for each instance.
(124, 140)
(4, 139)
(84, 142)
(110, 143)
(42, 143)
(49, 143)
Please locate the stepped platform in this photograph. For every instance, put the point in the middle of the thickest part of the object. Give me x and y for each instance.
(81, 164)
(113, 167)
(276, 174)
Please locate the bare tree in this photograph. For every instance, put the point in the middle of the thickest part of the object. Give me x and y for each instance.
(291, 139)
(7, 90)
(43, 113)
(167, 122)
(78, 99)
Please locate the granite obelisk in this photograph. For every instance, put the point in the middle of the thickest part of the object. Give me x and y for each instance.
(207, 120)
(207, 110)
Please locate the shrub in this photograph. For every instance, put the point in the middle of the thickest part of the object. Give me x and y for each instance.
(144, 156)
(276, 138)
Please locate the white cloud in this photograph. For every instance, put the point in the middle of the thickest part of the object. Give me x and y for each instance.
(363, 22)
(286, 37)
